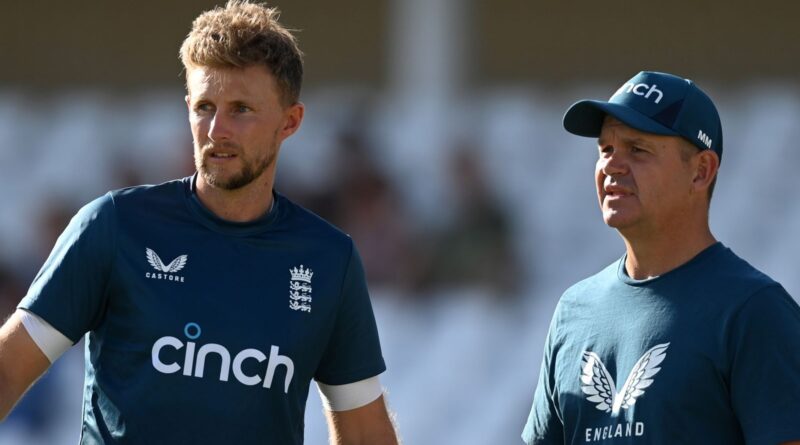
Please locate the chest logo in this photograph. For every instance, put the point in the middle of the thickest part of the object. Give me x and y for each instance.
(300, 289)
(165, 272)
(599, 387)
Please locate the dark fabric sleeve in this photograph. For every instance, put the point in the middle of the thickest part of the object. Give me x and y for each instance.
(69, 291)
(544, 424)
(353, 352)
(765, 367)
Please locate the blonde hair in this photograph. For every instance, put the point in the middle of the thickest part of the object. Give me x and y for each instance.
(244, 34)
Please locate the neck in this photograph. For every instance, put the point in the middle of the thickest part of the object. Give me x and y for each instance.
(244, 204)
(651, 256)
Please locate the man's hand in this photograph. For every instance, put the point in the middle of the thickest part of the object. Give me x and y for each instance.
(367, 425)
(21, 362)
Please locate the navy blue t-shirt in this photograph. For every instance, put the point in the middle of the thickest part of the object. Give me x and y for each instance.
(706, 353)
(202, 330)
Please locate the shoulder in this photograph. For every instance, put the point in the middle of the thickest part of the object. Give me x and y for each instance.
(142, 194)
(581, 301)
(311, 226)
(768, 305)
(735, 279)
(741, 271)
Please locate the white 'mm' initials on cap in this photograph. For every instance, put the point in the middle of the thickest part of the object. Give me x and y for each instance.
(704, 138)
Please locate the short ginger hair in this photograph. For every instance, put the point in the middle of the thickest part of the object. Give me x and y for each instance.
(244, 34)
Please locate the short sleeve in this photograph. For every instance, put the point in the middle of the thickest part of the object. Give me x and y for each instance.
(353, 352)
(544, 425)
(69, 290)
(765, 370)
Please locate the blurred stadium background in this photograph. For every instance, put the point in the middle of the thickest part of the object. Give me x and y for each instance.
(433, 136)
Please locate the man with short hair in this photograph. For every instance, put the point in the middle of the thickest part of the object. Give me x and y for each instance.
(210, 302)
(679, 341)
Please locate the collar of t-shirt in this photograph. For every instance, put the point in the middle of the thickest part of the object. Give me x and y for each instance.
(214, 222)
(622, 273)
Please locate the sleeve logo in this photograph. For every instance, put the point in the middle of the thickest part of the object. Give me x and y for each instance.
(599, 387)
(300, 289)
(165, 272)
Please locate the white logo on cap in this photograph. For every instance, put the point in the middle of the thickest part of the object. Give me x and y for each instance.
(704, 138)
(640, 89)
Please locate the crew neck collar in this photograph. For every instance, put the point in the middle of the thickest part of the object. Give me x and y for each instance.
(709, 251)
(214, 222)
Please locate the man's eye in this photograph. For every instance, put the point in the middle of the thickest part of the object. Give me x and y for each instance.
(203, 106)
(242, 109)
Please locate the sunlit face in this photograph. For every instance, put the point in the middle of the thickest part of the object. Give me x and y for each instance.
(642, 180)
(238, 124)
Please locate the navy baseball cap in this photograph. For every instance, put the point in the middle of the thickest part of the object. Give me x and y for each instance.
(657, 103)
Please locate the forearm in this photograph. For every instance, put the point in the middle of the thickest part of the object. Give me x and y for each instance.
(21, 363)
(368, 425)
(383, 434)
(7, 398)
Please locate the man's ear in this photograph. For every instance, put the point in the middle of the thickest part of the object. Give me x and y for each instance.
(706, 167)
(294, 117)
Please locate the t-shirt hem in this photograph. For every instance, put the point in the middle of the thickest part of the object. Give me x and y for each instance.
(25, 306)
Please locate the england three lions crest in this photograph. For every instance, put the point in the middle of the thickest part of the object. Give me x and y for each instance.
(300, 289)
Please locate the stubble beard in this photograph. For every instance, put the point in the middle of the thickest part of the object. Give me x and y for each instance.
(246, 175)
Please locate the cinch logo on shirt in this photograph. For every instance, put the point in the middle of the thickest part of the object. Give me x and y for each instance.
(165, 272)
(195, 360)
(640, 89)
(599, 387)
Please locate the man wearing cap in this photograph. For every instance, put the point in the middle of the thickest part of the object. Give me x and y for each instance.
(680, 340)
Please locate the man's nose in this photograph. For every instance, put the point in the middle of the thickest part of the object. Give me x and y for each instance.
(614, 164)
(219, 129)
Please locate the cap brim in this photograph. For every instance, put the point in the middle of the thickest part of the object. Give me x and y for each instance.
(585, 118)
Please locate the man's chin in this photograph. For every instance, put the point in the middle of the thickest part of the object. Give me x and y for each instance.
(224, 182)
(617, 220)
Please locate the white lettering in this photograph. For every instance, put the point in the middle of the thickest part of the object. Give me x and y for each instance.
(704, 138)
(654, 90)
(237, 366)
(614, 431)
(169, 277)
(194, 364)
(225, 363)
(636, 89)
(274, 361)
(188, 360)
(157, 363)
(641, 89)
